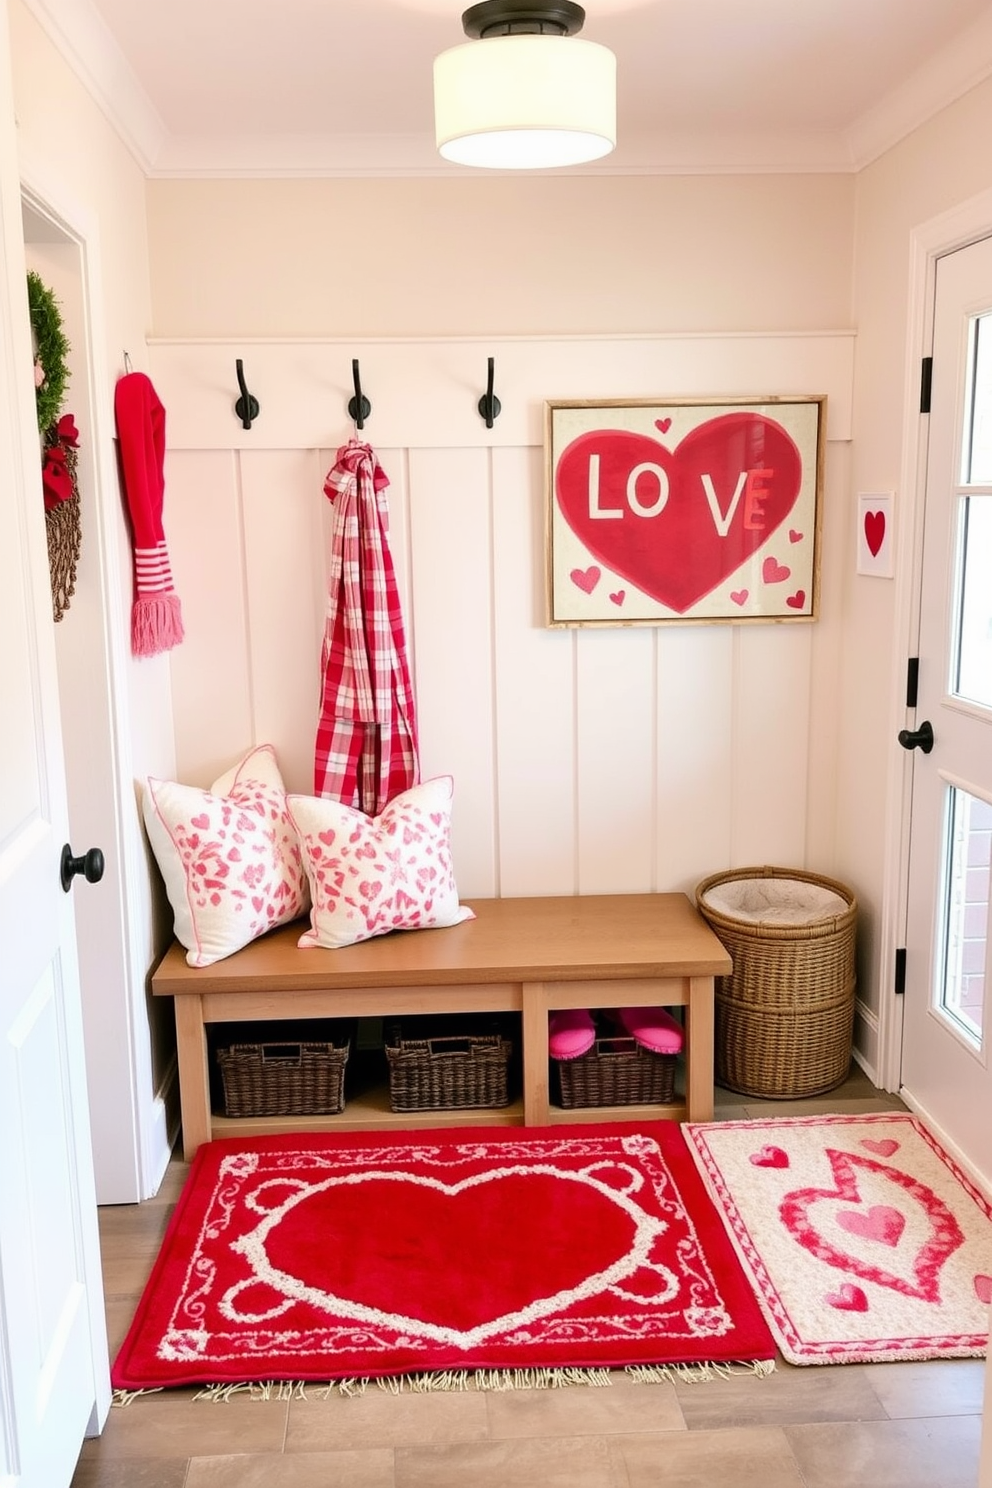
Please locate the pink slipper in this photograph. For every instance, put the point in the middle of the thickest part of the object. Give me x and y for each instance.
(571, 1033)
(653, 1029)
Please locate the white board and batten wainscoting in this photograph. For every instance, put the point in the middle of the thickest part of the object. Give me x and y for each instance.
(595, 760)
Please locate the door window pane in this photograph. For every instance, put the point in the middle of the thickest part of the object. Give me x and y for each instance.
(978, 441)
(972, 671)
(974, 649)
(961, 994)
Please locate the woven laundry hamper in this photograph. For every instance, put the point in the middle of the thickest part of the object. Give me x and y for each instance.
(785, 1015)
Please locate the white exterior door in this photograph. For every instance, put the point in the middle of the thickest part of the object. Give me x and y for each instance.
(948, 1023)
(54, 1379)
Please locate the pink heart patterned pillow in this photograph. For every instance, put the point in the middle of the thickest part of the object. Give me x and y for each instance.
(372, 875)
(229, 856)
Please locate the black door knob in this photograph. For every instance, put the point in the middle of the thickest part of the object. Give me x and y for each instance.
(90, 866)
(921, 738)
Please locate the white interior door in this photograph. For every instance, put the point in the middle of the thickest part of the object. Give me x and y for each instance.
(945, 1069)
(54, 1377)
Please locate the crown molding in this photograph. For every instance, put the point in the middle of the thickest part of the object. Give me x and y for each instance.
(946, 76)
(369, 156)
(82, 37)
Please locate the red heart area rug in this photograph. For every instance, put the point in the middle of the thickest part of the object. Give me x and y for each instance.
(864, 1241)
(320, 1257)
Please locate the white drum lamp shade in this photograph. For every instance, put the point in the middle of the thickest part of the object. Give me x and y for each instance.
(525, 101)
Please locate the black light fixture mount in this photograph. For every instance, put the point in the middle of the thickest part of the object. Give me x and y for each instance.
(523, 18)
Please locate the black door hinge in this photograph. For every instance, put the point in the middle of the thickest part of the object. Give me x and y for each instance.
(926, 384)
(900, 986)
(912, 681)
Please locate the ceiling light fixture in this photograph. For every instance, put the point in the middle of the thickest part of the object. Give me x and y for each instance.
(525, 93)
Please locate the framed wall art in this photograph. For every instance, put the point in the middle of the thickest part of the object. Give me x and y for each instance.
(684, 510)
(874, 534)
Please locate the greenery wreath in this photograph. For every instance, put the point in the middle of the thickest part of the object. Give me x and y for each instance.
(51, 371)
(60, 442)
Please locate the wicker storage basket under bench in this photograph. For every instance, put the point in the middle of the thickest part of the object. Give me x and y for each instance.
(286, 1077)
(615, 1072)
(435, 1065)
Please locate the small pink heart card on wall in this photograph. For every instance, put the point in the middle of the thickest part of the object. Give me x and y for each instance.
(874, 534)
(687, 510)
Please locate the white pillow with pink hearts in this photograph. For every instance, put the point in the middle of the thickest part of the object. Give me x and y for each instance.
(229, 856)
(371, 875)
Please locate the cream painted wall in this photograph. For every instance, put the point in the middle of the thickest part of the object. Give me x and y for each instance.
(73, 159)
(624, 759)
(710, 255)
(938, 166)
(510, 256)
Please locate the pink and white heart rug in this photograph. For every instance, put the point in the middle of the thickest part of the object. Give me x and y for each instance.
(322, 1257)
(862, 1238)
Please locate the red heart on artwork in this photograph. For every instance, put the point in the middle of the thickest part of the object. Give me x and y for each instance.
(585, 579)
(618, 596)
(739, 596)
(663, 424)
(797, 600)
(677, 523)
(773, 572)
(874, 531)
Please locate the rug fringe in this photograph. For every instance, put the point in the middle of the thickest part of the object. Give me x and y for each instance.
(460, 1380)
(426, 1384)
(224, 1392)
(349, 1386)
(257, 1389)
(691, 1374)
(502, 1380)
(125, 1397)
(497, 1381)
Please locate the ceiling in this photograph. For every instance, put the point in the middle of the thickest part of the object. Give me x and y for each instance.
(344, 86)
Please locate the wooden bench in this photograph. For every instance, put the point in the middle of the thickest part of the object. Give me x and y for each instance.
(529, 956)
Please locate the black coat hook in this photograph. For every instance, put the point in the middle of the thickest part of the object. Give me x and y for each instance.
(489, 404)
(246, 407)
(359, 406)
(127, 364)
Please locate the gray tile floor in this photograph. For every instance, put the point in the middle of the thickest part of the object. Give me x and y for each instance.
(857, 1426)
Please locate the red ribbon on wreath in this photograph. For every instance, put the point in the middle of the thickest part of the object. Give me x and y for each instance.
(56, 472)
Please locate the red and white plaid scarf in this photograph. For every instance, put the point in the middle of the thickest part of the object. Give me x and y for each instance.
(366, 750)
